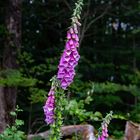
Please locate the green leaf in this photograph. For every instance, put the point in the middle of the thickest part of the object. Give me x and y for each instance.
(19, 122)
(13, 113)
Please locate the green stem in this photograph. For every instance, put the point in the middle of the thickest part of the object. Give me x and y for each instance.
(59, 107)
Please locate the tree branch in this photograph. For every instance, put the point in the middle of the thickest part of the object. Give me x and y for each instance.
(84, 24)
(87, 26)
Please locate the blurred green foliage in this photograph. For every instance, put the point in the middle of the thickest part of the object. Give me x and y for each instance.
(13, 132)
(107, 77)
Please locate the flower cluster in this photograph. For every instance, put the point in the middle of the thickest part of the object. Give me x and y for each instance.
(49, 107)
(104, 134)
(69, 58)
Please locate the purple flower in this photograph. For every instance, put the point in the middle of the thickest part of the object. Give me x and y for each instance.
(104, 134)
(49, 107)
(69, 58)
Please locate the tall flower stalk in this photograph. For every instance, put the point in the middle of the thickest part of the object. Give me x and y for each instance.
(103, 131)
(66, 71)
(70, 56)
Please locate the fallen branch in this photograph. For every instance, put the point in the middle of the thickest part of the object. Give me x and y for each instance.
(86, 132)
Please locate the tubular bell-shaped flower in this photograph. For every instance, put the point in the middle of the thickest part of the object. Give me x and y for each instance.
(49, 107)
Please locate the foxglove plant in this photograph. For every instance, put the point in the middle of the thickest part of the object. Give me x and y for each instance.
(70, 56)
(103, 131)
(66, 72)
(53, 107)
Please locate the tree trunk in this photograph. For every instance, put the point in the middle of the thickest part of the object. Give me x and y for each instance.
(11, 49)
(2, 110)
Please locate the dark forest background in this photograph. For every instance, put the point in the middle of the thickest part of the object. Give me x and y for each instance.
(108, 76)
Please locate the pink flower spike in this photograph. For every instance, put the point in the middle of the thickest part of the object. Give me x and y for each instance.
(104, 134)
(69, 60)
(49, 107)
